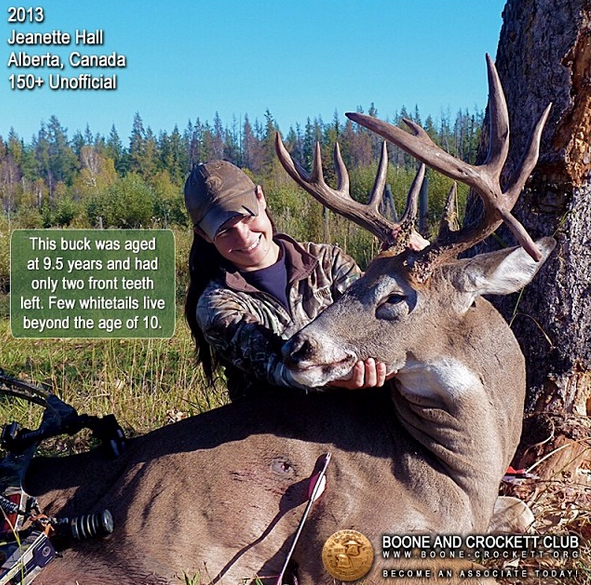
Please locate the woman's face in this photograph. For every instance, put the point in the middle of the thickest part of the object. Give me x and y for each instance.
(247, 242)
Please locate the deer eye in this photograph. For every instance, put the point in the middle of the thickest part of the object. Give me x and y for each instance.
(392, 307)
(394, 299)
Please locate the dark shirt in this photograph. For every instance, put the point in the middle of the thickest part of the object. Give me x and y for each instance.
(272, 280)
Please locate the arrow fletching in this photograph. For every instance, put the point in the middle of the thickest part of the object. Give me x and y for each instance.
(318, 479)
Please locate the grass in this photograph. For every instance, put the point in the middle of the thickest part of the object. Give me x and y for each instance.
(145, 383)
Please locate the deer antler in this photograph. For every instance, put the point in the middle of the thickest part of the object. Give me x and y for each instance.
(484, 179)
(340, 201)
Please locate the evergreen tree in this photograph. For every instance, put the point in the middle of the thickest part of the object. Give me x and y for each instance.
(62, 161)
(429, 128)
(268, 144)
(42, 162)
(77, 143)
(10, 176)
(232, 151)
(217, 139)
(417, 116)
(116, 151)
(150, 159)
(193, 143)
(208, 143)
(173, 155)
(89, 137)
(294, 142)
(15, 146)
(143, 149)
(308, 145)
(137, 144)
(251, 148)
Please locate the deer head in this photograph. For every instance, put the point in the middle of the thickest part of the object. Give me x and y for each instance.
(416, 307)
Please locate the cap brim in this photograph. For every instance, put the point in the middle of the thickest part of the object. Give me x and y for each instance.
(224, 210)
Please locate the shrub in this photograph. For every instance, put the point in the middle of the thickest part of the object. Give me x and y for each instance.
(128, 203)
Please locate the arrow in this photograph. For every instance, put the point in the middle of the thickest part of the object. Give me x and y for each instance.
(315, 490)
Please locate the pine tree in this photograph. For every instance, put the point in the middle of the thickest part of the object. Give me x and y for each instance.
(137, 144)
(115, 151)
(62, 160)
(232, 150)
(193, 143)
(173, 155)
(251, 148)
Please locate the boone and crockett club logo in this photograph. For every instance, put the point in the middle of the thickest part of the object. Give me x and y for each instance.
(347, 555)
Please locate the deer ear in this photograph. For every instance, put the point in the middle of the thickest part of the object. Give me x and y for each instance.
(502, 272)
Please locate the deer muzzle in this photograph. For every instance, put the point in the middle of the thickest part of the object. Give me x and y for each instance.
(315, 362)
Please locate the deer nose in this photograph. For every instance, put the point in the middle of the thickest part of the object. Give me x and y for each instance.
(299, 349)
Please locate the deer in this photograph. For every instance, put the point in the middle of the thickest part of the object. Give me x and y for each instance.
(218, 496)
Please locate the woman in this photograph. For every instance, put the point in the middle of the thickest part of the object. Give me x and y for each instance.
(251, 288)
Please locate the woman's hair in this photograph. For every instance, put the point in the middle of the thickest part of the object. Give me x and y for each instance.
(204, 264)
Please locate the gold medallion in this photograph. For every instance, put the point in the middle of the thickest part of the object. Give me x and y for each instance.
(347, 555)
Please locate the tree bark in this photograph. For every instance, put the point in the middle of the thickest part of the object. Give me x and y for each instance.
(544, 55)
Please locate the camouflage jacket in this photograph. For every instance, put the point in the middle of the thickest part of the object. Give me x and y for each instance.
(246, 327)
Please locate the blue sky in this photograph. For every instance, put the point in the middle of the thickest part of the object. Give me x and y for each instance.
(298, 59)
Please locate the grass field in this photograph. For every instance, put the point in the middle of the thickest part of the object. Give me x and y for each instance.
(145, 383)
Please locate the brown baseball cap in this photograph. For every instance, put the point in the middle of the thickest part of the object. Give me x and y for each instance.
(217, 191)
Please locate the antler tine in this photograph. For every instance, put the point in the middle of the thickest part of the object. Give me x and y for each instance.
(517, 183)
(293, 168)
(339, 200)
(449, 219)
(379, 184)
(498, 146)
(484, 179)
(340, 168)
(530, 158)
(409, 216)
(317, 174)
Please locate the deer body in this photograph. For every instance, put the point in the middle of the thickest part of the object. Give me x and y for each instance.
(220, 495)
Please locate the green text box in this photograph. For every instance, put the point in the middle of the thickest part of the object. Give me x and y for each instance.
(92, 283)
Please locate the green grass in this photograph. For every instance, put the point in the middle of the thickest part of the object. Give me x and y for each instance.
(145, 383)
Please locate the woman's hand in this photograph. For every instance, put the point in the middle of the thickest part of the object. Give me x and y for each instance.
(367, 374)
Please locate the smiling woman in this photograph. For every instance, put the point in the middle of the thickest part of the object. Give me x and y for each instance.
(251, 288)
(229, 212)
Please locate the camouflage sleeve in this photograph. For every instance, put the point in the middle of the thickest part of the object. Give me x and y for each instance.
(245, 336)
(234, 332)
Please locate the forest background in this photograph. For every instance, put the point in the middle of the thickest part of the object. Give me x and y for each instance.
(94, 181)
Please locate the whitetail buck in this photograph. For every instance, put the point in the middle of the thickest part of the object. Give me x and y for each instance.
(220, 494)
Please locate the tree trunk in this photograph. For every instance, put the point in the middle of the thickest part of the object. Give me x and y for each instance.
(544, 55)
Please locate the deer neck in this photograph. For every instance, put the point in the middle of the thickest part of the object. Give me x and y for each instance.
(444, 406)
